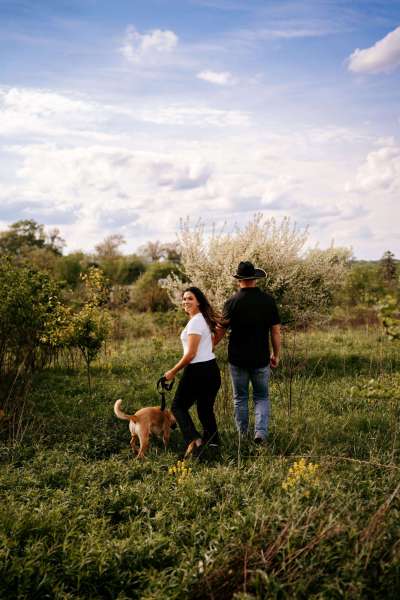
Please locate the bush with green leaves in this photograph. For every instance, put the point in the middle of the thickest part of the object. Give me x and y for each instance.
(32, 317)
(35, 325)
(389, 313)
(32, 326)
(148, 293)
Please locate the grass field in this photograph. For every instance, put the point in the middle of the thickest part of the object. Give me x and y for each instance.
(313, 515)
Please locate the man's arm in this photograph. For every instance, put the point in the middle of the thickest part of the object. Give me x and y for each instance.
(276, 345)
(223, 324)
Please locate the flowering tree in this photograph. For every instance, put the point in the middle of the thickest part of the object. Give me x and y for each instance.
(302, 281)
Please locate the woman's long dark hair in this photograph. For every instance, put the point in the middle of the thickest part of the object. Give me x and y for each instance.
(211, 317)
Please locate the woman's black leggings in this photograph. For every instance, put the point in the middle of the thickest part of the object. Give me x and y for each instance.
(199, 385)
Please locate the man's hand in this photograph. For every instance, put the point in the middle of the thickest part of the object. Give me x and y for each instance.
(274, 361)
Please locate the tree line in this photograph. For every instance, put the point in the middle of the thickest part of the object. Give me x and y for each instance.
(133, 279)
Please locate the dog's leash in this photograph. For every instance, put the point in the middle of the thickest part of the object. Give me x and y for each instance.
(162, 387)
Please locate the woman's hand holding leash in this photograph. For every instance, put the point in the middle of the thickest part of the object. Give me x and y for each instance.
(169, 375)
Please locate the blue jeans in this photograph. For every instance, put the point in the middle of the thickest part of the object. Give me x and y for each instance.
(241, 377)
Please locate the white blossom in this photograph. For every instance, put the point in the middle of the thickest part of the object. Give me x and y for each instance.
(302, 281)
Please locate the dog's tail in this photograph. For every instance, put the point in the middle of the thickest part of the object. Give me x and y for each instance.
(119, 413)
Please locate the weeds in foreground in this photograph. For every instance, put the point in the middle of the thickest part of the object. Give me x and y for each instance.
(315, 514)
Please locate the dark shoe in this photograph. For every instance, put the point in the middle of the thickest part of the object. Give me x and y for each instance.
(197, 451)
(259, 441)
(214, 450)
(210, 453)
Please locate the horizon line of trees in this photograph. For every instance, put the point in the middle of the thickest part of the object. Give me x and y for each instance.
(134, 278)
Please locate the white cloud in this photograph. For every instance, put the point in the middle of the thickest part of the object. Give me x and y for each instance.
(43, 113)
(383, 56)
(217, 77)
(292, 33)
(104, 182)
(137, 46)
(332, 134)
(379, 173)
(202, 116)
(41, 102)
(288, 30)
(177, 160)
(187, 176)
(27, 113)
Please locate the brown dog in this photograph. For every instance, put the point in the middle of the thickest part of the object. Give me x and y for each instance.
(144, 422)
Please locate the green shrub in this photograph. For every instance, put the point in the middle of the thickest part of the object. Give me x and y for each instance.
(147, 294)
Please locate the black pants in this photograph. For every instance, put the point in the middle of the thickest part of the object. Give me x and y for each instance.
(199, 385)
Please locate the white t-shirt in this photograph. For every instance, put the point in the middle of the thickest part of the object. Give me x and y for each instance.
(198, 325)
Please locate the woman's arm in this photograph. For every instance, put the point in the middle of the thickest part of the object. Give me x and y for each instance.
(193, 346)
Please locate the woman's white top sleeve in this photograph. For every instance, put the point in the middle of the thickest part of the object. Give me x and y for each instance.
(198, 325)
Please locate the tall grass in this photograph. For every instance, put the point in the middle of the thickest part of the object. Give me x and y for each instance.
(81, 518)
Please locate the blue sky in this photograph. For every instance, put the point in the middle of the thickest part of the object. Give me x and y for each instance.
(125, 116)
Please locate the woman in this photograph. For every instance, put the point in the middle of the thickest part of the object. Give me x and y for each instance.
(201, 378)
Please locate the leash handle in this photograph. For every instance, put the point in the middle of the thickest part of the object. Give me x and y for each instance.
(162, 387)
(164, 384)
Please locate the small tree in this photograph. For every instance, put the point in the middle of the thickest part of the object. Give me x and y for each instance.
(89, 326)
(171, 252)
(152, 251)
(389, 314)
(89, 329)
(109, 248)
(388, 268)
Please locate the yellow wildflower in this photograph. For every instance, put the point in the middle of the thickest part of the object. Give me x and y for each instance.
(303, 475)
(180, 470)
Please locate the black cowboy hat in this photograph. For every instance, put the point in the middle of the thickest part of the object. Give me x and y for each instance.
(246, 270)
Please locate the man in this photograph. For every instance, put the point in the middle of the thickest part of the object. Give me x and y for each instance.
(252, 317)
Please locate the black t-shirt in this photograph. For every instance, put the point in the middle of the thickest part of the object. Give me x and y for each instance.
(251, 314)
